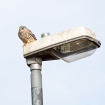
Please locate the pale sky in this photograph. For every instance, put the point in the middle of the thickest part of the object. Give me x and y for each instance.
(78, 83)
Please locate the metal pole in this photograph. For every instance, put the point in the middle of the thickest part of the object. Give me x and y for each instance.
(36, 80)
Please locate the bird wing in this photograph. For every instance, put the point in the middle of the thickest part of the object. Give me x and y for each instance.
(30, 32)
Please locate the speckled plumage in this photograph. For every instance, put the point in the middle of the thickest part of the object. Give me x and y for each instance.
(26, 35)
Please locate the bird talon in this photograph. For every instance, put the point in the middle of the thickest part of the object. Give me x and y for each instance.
(24, 45)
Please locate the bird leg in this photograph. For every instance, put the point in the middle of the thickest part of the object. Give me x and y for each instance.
(24, 44)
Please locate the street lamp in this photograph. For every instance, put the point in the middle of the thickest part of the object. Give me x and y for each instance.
(69, 45)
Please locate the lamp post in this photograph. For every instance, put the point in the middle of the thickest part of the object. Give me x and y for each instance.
(36, 80)
(70, 45)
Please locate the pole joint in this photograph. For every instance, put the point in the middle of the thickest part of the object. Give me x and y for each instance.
(34, 63)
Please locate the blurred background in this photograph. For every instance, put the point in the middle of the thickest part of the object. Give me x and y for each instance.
(78, 83)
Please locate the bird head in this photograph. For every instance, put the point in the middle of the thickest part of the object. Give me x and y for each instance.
(22, 28)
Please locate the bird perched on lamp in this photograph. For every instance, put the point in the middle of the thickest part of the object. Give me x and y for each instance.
(26, 35)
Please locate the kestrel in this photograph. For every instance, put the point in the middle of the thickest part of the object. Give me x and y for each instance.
(26, 35)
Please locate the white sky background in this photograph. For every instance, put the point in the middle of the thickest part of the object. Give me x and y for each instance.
(78, 83)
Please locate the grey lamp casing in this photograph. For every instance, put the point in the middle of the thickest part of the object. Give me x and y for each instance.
(69, 45)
